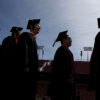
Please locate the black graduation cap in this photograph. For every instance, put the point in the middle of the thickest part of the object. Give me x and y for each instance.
(14, 29)
(98, 22)
(33, 22)
(61, 36)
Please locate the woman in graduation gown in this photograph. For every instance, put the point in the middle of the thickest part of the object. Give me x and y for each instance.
(61, 84)
(8, 48)
(28, 58)
(95, 66)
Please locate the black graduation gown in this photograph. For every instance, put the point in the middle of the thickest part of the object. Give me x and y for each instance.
(27, 52)
(94, 62)
(95, 67)
(9, 54)
(28, 58)
(60, 88)
(0, 54)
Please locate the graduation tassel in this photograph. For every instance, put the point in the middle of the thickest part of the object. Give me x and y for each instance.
(53, 44)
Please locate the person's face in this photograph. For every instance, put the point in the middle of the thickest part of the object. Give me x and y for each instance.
(17, 34)
(68, 41)
(37, 28)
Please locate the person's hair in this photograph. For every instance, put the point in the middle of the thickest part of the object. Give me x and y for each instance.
(33, 27)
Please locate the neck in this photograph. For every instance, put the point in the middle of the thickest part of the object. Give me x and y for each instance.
(32, 31)
(33, 34)
(65, 45)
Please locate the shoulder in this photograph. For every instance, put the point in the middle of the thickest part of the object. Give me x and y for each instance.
(26, 35)
(7, 39)
(62, 49)
(97, 36)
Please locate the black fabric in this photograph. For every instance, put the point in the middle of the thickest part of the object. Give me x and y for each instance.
(28, 59)
(95, 64)
(27, 52)
(1, 53)
(95, 67)
(9, 54)
(60, 86)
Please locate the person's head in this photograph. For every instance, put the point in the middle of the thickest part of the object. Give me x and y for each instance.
(16, 31)
(34, 26)
(64, 39)
(67, 41)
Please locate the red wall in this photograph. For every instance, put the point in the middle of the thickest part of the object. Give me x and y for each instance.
(81, 67)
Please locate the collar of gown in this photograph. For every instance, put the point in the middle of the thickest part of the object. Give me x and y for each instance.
(34, 36)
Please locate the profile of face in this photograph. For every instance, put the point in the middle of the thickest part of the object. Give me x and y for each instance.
(37, 28)
(68, 41)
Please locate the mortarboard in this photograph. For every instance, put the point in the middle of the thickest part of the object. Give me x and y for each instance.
(14, 29)
(61, 36)
(33, 22)
(98, 22)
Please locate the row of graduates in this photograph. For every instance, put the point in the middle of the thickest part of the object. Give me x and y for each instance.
(19, 48)
(19, 52)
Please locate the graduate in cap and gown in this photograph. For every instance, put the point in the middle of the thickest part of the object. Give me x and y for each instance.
(28, 58)
(95, 65)
(0, 53)
(61, 84)
(9, 49)
(27, 47)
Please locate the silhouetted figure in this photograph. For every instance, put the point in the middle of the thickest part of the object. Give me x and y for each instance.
(9, 49)
(78, 96)
(28, 58)
(0, 53)
(61, 84)
(94, 66)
